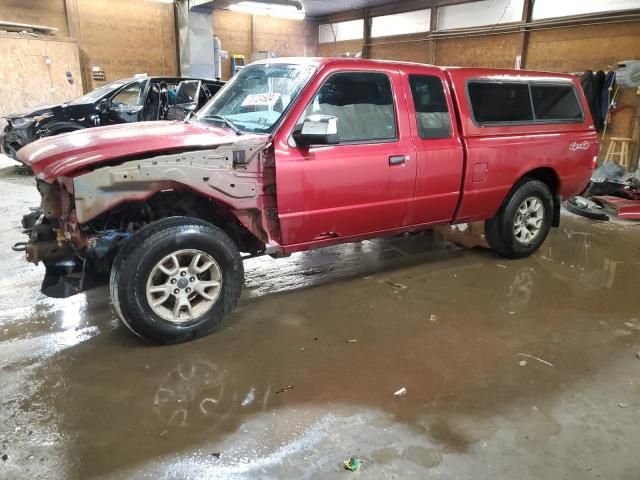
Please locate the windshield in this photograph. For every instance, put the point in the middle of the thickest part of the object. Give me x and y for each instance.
(257, 97)
(95, 95)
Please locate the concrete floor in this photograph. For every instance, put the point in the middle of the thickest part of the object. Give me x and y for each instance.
(458, 327)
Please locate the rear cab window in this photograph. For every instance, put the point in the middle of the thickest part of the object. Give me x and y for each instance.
(432, 113)
(363, 104)
(523, 102)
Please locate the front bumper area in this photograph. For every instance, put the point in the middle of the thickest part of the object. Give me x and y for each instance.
(68, 272)
(13, 140)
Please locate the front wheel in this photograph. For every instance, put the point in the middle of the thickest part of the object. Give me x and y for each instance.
(523, 222)
(176, 279)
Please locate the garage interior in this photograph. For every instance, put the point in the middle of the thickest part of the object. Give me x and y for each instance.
(415, 356)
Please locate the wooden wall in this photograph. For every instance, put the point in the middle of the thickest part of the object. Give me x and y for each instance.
(126, 37)
(495, 51)
(241, 34)
(27, 80)
(50, 13)
(337, 49)
(409, 48)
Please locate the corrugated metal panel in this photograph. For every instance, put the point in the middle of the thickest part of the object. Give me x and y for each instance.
(417, 21)
(341, 31)
(485, 12)
(555, 8)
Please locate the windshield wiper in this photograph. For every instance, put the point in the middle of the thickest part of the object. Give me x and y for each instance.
(225, 121)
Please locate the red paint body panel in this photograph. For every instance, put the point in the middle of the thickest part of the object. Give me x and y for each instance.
(344, 190)
(61, 155)
(625, 208)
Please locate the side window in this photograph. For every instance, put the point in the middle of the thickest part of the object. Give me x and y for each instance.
(432, 113)
(130, 96)
(500, 102)
(362, 103)
(187, 92)
(556, 103)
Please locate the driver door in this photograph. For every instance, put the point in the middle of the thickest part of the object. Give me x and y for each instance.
(126, 106)
(360, 187)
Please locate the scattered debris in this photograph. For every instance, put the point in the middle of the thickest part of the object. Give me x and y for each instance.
(315, 339)
(502, 266)
(433, 318)
(216, 455)
(522, 363)
(589, 468)
(352, 340)
(623, 405)
(352, 464)
(537, 358)
(638, 354)
(164, 434)
(400, 393)
(285, 389)
(398, 286)
(5, 457)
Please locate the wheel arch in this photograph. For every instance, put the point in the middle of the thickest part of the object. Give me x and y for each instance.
(243, 227)
(58, 128)
(550, 178)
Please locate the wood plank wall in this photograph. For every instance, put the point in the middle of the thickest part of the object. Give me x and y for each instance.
(28, 80)
(242, 34)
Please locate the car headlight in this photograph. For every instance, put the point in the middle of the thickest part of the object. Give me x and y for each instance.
(26, 121)
(22, 121)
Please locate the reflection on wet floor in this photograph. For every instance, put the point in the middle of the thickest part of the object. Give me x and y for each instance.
(514, 369)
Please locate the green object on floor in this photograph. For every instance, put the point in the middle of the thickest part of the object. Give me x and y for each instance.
(352, 464)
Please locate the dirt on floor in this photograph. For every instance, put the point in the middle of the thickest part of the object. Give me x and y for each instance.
(526, 369)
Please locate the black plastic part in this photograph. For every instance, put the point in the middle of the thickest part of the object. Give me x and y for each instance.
(556, 211)
(585, 212)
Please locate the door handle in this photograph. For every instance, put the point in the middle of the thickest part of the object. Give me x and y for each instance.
(398, 159)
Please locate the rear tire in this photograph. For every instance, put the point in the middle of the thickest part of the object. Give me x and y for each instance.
(523, 221)
(176, 279)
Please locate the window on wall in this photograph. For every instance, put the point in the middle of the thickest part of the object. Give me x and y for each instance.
(363, 104)
(432, 114)
(554, 8)
(484, 12)
(341, 31)
(501, 102)
(555, 102)
(418, 21)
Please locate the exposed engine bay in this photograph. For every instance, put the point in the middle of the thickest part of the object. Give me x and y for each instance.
(84, 220)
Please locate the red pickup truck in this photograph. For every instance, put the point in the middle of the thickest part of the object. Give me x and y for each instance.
(295, 154)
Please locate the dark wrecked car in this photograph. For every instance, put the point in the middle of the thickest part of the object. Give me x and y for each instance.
(123, 101)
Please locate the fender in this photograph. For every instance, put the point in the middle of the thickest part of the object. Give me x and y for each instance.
(234, 175)
(55, 128)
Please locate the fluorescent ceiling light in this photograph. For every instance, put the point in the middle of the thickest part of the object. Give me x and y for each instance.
(272, 9)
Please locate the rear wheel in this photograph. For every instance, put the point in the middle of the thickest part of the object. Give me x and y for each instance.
(176, 279)
(523, 222)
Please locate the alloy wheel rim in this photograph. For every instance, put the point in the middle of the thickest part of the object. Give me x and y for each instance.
(184, 285)
(528, 221)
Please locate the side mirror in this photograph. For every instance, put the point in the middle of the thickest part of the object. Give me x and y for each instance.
(104, 105)
(318, 130)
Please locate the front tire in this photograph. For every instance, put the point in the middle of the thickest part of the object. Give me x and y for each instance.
(523, 222)
(176, 279)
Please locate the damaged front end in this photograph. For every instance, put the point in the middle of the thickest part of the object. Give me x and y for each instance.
(75, 260)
